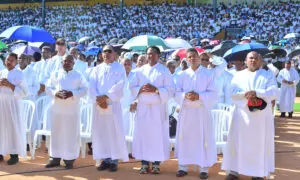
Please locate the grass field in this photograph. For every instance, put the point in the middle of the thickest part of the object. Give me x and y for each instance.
(297, 107)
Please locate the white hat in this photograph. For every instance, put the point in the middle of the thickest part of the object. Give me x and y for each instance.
(216, 60)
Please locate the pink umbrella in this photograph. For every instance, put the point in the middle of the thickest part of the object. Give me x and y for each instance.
(182, 52)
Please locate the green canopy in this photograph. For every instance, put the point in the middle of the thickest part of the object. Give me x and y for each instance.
(3, 45)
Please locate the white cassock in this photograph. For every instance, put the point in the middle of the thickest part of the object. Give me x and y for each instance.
(223, 81)
(273, 69)
(12, 129)
(250, 145)
(31, 80)
(80, 66)
(108, 136)
(52, 65)
(126, 101)
(195, 142)
(287, 92)
(64, 114)
(151, 131)
(42, 71)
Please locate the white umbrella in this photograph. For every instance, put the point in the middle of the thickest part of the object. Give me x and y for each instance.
(291, 35)
(177, 43)
(142, 42)
(83, 39)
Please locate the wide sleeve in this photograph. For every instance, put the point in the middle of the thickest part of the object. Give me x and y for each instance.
(209, 97)
(167, 90)
(21, 90)
(82, 89)
(280, 77)
(51, 85)
(296, 77)
(227, 89)
(179, 90)
(270, 92)
(134, 85)
(115, 93)
(93, 85)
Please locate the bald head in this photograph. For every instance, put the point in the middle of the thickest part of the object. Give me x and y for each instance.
(253, 61)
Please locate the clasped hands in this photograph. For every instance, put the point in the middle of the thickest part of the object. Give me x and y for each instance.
(102, 101)
(288, 82)
(64, 94)
(148, 88)
(4, 82)
(251, 96)
(192, 96)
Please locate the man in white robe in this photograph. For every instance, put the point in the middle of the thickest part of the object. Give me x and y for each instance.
(196, 93)
(66, 86)
(1, 65)
(288, 78)
(29, 77)
(152, 87)
(250, 145)
(56, 61)
(106, 90)
(80, 66)
(12, 129)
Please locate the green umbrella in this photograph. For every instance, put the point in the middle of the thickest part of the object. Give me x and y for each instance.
(141, 43)
(3, 45)
(275, 47)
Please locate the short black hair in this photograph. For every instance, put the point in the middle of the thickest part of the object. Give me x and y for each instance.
(192, 50)
(13, 55)
(155, 48)
(37, 56)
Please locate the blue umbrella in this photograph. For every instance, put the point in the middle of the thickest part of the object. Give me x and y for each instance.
(92, 50)
(239, 52)
(28, 33)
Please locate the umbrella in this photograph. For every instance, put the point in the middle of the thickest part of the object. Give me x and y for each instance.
(239, 52)
(141, 43)
(270, 55)
(28, 50)
(122, 41)
(28, 33)
(83, 39)
(274, 46)
(92, 50)
(279, 52)
(177, 43)
(205, 40)
(182, 52)
(3, 45)
(291, 35)
(282, 42)
(194, 41)
(220, 49)
(294, 53)
(246, 38)
(208, 47)
(113, 41)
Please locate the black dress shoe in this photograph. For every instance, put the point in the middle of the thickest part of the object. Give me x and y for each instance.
(103, 166)
(203, 175)
(257, 178)
(14, 159)
(55, 162)
(69, 164)
(1, 158)
(282, 115)
(231, 177)
(113, 167)
(290, 115)
(181, 173)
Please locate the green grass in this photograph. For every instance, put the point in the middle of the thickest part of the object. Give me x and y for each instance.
(297, 107)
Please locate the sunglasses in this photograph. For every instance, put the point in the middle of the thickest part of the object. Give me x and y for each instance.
(60, 44)
(108, 51)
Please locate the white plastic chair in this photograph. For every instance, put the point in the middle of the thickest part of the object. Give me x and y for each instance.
(44, 131)
(86, 113)
(221, 128)
(40, 109)
(27, 108)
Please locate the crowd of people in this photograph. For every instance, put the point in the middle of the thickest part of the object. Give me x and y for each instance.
(103, 22)
(141, 89)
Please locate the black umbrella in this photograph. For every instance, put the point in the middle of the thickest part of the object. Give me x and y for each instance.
(279, 52)
(269, 55)
(294, 53)
(208, 47)
(220, 49)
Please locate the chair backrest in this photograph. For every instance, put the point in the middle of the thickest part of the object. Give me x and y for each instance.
(42, 105)
(27, 109)
(221, 124)
(86, 114)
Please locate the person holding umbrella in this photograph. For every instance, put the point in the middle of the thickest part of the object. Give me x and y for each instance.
(288, 78)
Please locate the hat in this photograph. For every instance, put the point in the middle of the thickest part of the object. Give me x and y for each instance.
(259, 105)
(216, 60)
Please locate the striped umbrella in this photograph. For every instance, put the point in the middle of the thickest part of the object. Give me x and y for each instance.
(141, 43)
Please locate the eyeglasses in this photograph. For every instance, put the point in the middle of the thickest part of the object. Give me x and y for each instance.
(108, 51)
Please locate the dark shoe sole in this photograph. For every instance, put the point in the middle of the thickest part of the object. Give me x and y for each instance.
(181, 173)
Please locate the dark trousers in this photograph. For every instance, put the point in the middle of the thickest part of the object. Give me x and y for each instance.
(147, 163)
